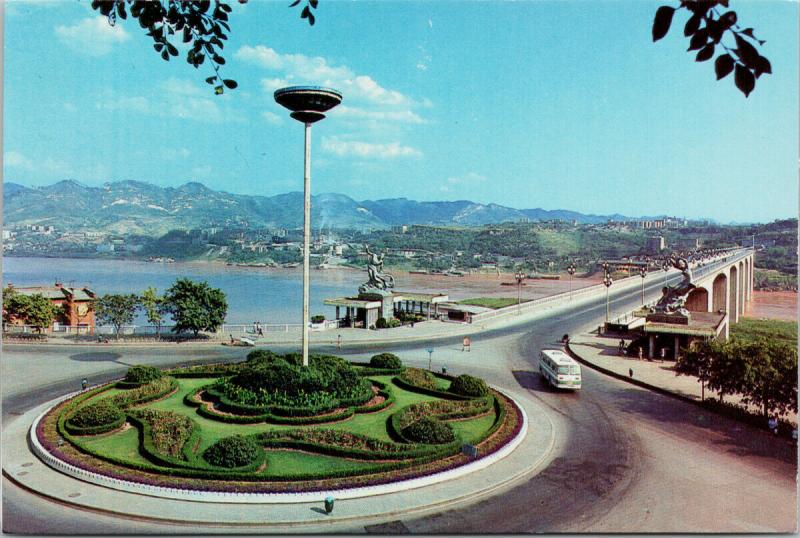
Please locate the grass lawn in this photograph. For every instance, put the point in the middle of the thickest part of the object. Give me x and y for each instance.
(490, 302)
(292, 462)
(472, 430)
(123, 444)
(751, 328)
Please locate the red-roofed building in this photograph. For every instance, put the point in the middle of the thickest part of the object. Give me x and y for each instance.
(75, 306)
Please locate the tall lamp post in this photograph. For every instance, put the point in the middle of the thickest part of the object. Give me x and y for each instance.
(571, 271)
(520, 276)
(643, 274)
(607, 281)
(307, 105)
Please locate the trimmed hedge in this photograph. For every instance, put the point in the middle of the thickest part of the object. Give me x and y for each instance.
(96, 418)
(386, 361)
(430, 431)
(400, 382)
(146, 393)
(140, 374)
(169, 431)
(230, 452)
(467, 385)
(419, 378)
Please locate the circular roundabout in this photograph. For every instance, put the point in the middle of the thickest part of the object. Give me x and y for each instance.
(271, 430)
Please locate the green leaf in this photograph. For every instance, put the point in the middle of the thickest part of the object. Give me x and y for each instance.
(763, 66)
(745, 80)
(231, 84)
(706, 53)
(662, 21)
(747, 52)
(219, 59)
(173, 51)
(723, 66)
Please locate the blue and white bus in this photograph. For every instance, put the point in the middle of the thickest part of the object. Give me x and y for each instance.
(559, 369)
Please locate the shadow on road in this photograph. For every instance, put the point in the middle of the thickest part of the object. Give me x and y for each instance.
(98, 356)
(532, 381)
(700, 425)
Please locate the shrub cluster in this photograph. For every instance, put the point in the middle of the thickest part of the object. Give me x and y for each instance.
(467, 385)
(389, 361)
(102, 413)
(430, 431)
(142, 374)
(271, 380)
(236, 451)
(169, 430)
(319, 318)
(419, 378)
(151, 391)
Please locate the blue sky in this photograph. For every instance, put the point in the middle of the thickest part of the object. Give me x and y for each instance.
(563, 104)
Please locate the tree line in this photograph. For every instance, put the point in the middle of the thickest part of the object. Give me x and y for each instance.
(762, 371)
(192, 306)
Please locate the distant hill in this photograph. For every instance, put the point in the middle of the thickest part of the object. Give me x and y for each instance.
(144, 208)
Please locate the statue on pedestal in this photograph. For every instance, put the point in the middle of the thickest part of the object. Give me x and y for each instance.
(378, 280)
(674, 297)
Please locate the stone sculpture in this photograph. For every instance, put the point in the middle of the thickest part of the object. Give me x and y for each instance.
(378, 280)
(674, 297)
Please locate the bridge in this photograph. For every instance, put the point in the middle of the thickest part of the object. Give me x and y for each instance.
(724, 285)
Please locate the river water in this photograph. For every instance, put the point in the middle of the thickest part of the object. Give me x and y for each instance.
(253, 294)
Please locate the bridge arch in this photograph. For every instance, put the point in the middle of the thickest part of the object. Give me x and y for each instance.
(733, 300)
(719, 291)
(698, 300)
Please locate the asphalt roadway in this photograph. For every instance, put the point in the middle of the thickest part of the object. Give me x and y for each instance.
(625, 459)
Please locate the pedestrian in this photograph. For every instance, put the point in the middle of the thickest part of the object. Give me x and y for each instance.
(232, 340)
(641, 353)
(663, 354)
(630, 372)
(260, 329)
(565, 339)
(84, 383)
(772, 423)
(622, 346)
(339, 342)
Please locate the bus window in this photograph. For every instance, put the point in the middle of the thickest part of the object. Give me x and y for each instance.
(563, 369)
(575, 370)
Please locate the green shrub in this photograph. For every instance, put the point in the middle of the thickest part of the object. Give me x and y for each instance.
(98, 414)
(430, 431)
(420, 378)
(145, 393)
(236, 451)
(466, 385)
(317, 319)
(392, 323)
(381, 323)
(390, 361)
(169, 430)
(261, 355)
(142, 374)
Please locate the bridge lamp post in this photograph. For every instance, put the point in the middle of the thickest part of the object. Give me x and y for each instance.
(643, 274)
(520, 276)
(607, 281)
(571, 271)
(307, 105)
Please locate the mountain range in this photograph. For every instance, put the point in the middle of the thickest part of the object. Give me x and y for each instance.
(143, 208)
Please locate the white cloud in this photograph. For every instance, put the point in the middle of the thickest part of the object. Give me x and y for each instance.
(469, 178)
(302, 69)
(92, 36)
(400, 116)
(271, 117)
(175, 98)
(15, 159)
(367, 150)
(201, 172)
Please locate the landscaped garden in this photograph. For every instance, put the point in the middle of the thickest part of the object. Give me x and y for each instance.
(269, 424)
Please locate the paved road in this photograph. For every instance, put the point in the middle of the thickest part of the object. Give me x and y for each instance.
(626, 459)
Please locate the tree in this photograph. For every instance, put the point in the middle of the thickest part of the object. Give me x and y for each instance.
(154, 307)
(696, 361)
(706, 28)
(116, 310)
(195, 306)
(34, 310)
(195, 23)
(771, 379)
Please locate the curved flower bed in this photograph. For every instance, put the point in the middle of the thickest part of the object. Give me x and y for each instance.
(177, 418)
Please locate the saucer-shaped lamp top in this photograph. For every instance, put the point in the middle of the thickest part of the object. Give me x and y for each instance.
(308, 103)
